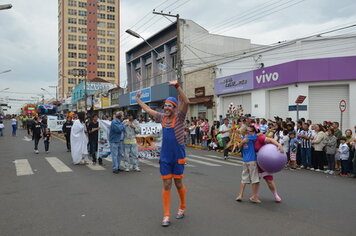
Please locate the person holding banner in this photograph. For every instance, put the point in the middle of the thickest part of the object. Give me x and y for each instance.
(66, 128)
(172, 157)
(132, 128)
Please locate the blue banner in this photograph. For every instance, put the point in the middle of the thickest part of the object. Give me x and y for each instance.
(145, 96)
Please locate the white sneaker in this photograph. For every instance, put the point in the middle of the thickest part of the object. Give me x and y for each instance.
(137, 169)
(47, 152)
(36, 151)
(331, 172)
(311, 168)
(127, 170)
(317, 170)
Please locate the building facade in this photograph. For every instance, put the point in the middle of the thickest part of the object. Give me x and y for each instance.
(178, 49)
(320, 68)
(88, 39)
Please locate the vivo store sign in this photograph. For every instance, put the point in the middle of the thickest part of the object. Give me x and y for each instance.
(275, 75)
(145, 96)
(300, 71)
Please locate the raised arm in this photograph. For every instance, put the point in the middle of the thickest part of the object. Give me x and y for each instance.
(183, 99)
(144, 106)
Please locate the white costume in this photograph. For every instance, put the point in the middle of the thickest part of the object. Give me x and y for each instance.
(78, 142)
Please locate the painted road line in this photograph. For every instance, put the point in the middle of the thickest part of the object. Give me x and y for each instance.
(229, 159)
(217, 161)
(202, 162)
(58, 165)
(25, 138)
(149, 163)
(23, 167)
(95, 167)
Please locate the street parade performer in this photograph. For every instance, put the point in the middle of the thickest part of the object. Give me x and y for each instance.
(172, 158)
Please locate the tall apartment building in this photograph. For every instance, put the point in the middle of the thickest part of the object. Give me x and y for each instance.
(88, 40)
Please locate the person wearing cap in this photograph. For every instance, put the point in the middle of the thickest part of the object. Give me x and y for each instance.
(172, 158)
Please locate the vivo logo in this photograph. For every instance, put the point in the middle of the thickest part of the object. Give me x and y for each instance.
(265, 78)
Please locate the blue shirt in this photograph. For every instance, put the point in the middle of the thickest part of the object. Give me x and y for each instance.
(293, 145)
(116, 131)
(248, 149)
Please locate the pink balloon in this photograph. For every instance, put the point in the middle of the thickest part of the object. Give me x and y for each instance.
(270, 159)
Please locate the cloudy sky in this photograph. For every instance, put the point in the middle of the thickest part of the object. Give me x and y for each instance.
(29, 38)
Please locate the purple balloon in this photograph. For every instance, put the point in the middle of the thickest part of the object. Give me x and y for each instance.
(270, 159)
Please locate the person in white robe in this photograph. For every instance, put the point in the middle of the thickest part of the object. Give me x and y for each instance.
(79, 141)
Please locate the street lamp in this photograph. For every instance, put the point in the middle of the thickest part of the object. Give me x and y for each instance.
(137, 35)
(5, 71)
(4, 89)
(5, 6)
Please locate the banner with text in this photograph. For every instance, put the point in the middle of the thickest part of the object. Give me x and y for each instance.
(55, 125)
(149, 141)
(104, 145)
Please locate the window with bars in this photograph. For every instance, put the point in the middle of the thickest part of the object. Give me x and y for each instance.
(82, 13)
(82, 22)
(101, 40)
(101, 24)
(110, 66)
(72, 29)
(82, 38)
(111, 58)
(110, 17)
(72, 20)
(101, 32)
(72, 3)
(101, 57)
(110, 33)
(72, 37)
(110, 74)
(72, 63)
(110, 9)
(101, 15)
(82, 47)
(72, 46)
(110, 49)
(111, 41)
(72, 80)
(82, 55)
(101, 73)
(72, 12)
(82, 4)
(111, 25)
(101, 49)
(101, 65)
(82, 64)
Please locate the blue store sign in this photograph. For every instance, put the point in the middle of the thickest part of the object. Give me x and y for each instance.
(145, 96)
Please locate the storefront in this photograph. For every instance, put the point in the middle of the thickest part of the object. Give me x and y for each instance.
(153, 96)
(272, 91)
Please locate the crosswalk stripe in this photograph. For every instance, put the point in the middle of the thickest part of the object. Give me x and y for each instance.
(231, 160)
(150, 163)
(95, 167)
(58, 165)
(217, 161)
(23, 167)
(202, 162)
(107, 159)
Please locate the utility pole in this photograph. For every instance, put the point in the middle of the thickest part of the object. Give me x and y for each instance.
(179, 63)
(78, 73)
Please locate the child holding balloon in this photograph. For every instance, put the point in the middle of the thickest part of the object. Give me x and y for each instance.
(249, 173)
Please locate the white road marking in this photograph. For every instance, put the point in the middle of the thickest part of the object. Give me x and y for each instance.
(25, 138)
(95, 167)
(202, 162)
(107, 159)
(217, 161)
(149, 163)
(58, 165)
(230, 159)
(23, 167)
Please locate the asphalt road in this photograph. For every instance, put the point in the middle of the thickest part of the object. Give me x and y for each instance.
(86, 201)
